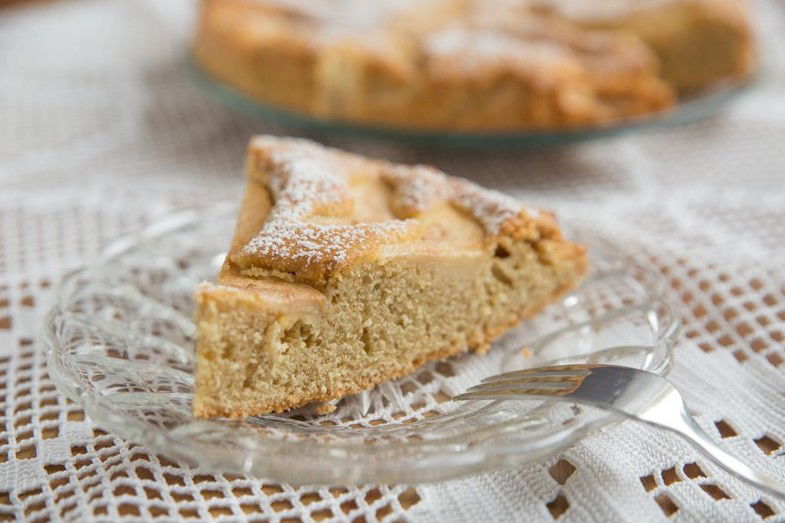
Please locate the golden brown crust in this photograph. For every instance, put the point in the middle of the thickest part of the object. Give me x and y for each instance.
(309, 216)
(475, 65)
(443, 64)
(699, 43)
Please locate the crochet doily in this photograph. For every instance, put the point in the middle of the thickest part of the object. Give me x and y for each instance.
(102, 133)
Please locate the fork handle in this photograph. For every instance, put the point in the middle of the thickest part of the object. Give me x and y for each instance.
(687, 428)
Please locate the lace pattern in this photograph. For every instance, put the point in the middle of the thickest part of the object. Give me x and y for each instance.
(701, 204)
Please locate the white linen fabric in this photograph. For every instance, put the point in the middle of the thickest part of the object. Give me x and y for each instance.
(101, 132)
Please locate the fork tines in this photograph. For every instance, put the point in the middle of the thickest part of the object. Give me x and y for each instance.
(542, 373)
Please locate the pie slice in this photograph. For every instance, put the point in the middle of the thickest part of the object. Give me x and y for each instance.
(345, 272)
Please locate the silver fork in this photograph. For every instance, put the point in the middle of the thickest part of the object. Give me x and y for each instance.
(634, 393)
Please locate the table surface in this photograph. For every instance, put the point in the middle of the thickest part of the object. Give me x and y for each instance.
(102, 133)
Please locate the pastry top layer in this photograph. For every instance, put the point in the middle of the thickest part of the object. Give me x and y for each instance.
(619, 10)
(333, 18)
(519, 36)
(330, 209)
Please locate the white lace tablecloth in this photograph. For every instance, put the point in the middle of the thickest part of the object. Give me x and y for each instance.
(100, 132)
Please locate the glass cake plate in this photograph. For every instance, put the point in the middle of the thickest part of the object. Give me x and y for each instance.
(120, 342)
(689, 109)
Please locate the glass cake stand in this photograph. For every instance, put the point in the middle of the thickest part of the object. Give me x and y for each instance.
(689, 109)
(120, 342)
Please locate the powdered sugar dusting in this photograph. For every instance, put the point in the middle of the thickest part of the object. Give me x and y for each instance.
(310, 231)
(418, 188)
(310, 243)
(492, 209)
(305, 185)
(464, 50)
(362, 22)
(308, 182)
(348, 14)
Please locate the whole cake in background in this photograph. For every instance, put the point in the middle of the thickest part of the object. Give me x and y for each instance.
(345, 272)
(474, 65)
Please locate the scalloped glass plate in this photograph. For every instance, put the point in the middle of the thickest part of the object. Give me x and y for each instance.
(690, 108)
(120, 342)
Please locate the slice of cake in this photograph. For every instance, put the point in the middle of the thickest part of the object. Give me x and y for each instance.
(345, 272)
